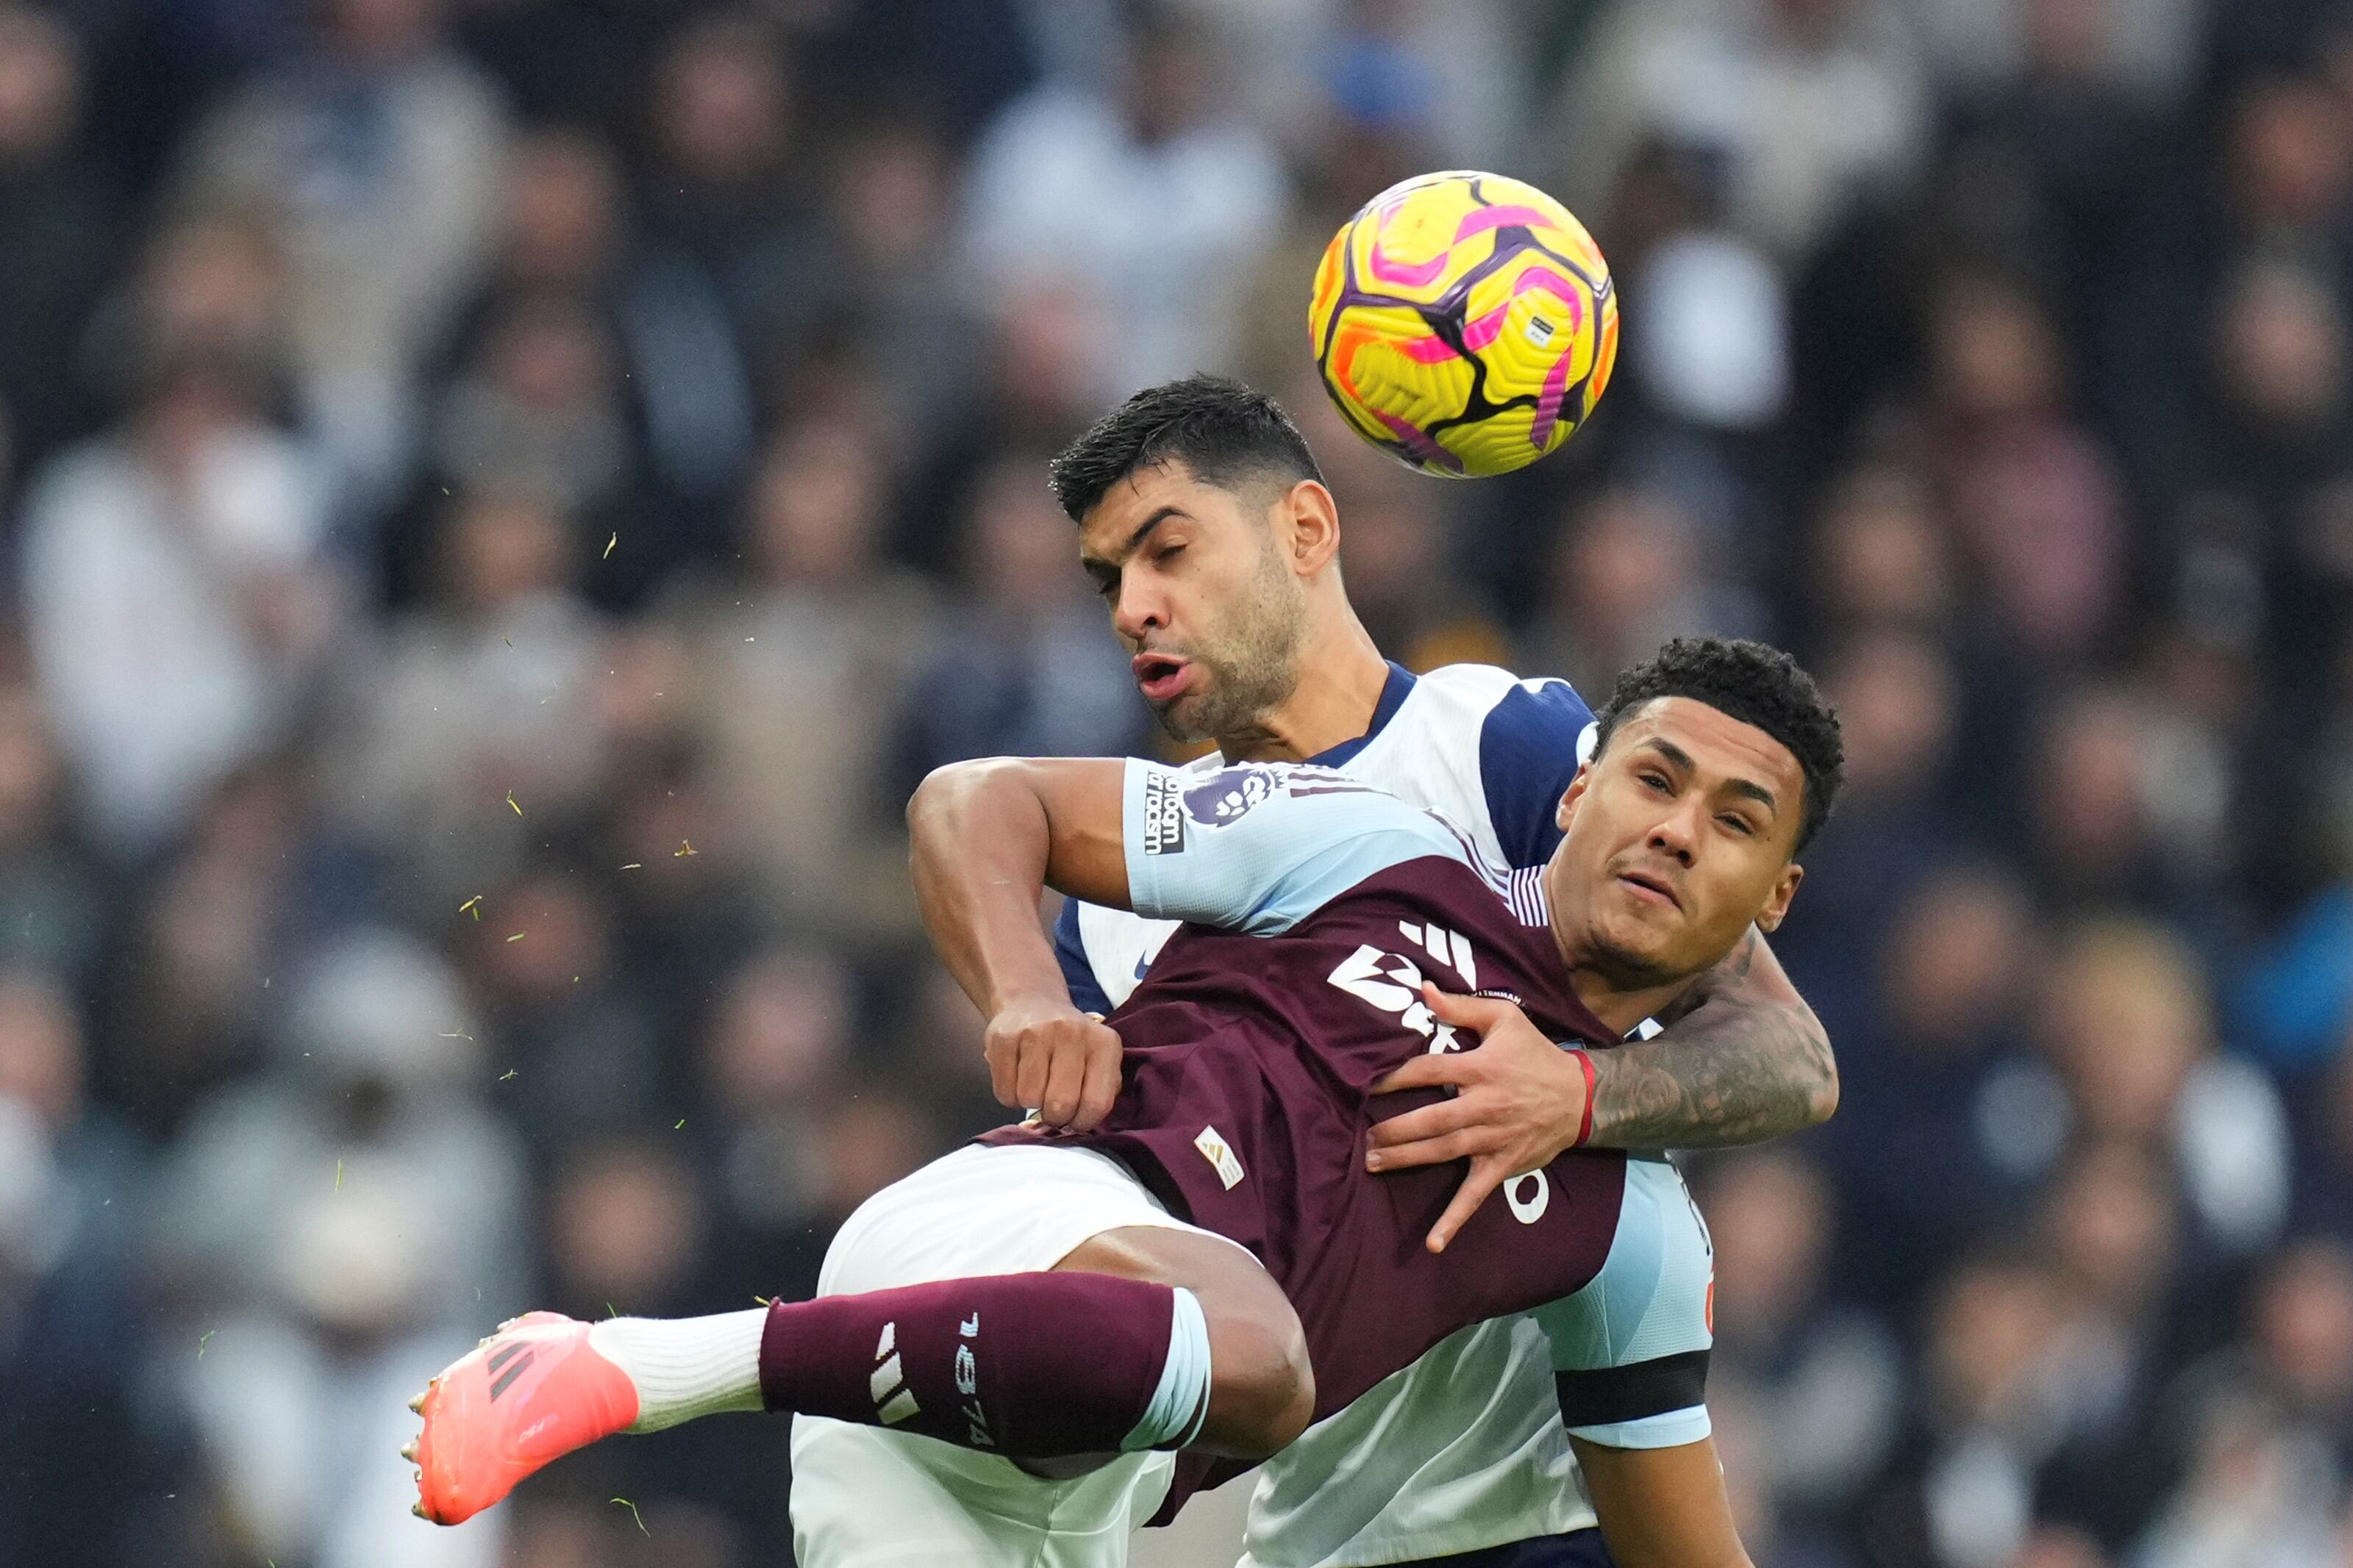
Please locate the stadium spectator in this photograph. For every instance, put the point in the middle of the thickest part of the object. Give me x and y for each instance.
(1971, 1115)
(1985, 1418)
(44, 872)
(476, 697)
(2279, 178)
(725, 187)
(59, 214)
(773, 1057)
(377, 155)
(2075, 129)
(1026, 668)
(2101, 788)
(70, 1292)
(1882, 557)
(799, 661)
(178, 596)
(2265, 1425)
(583, 1043)
(1896, 698)
(212, 282)
(1629, 562)
(540, 406)
(1137, 197)
(2031, 497)
(330, 1227)
(1824, 1382)
(567, 231)
(2255, 558)
(890, 287)
(2128, 1280)
(1809, 107)
(2127, 1023)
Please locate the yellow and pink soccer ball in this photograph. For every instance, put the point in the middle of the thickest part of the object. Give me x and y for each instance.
(1464, 323)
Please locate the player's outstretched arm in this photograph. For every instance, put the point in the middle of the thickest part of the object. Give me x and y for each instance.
(1661, 1507)
(986, 839)
(1743, 1059)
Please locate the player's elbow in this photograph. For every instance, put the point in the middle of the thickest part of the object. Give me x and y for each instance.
(1822, 1094)
(958, 802)
(945, 788)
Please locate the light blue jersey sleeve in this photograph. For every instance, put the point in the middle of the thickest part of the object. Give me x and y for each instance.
(1260, 846)
(1630, 1350)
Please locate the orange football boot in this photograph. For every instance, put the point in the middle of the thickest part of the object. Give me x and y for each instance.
(526, 1396)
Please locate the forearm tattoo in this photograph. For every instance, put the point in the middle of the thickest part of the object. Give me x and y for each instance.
(1734, 1065)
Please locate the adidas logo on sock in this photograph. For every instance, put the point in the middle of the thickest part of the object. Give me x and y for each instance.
(892, 1403)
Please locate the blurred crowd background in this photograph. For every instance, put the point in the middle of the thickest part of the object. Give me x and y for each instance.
(502, 499)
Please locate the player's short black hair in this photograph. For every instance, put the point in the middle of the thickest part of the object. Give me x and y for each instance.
(1222, 431)
(1755, 684)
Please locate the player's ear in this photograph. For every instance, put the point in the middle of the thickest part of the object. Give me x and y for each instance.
(1312, 521)
(1575, 793)
(1777, 906)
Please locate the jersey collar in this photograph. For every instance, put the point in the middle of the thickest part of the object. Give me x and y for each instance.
(1393, 696)
(1524, 890)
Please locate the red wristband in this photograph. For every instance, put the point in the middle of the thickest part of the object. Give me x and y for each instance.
(1585, 1123)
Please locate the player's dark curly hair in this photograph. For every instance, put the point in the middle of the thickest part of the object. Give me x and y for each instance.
(1755, 684)
(1224, 432)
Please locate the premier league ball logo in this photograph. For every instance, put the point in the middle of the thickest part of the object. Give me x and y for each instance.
(1228, 794)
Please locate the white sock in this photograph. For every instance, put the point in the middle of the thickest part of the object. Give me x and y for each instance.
(685, 1367)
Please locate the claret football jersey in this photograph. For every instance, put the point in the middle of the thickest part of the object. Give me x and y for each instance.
(1313, 908)
(1465, 1448)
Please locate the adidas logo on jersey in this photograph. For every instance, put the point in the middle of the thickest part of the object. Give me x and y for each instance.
(1450, 947)
(1392, 981)
(1220, 1154)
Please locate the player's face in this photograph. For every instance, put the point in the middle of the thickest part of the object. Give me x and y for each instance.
(1677, 837)
(1202, 594)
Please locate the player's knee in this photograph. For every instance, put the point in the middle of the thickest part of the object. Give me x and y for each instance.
(1262, 1387)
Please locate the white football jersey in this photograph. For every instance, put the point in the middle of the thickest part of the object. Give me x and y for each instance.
(1463, 1449)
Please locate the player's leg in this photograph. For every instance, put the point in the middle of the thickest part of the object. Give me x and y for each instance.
(865, 1496)
(1262, 1389)
(1031, 1366)
(1140, 1338)
(1038, 1364)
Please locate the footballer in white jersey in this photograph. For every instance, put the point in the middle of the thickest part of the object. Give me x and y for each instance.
(1464, 1449)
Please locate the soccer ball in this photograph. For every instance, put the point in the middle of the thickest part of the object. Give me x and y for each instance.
(1463, 323)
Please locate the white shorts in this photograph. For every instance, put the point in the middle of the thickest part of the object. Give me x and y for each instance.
(864, 1497)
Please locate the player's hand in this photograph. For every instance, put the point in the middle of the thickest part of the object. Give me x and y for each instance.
(1519, 1100)
(1048, 1056)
